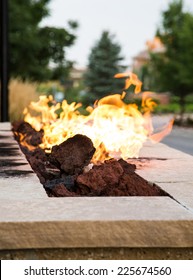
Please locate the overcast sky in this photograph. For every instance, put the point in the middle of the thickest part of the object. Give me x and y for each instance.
(133, 22)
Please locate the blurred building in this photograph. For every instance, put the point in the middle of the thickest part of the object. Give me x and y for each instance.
(140, 66)
(143, 57)
(76, 76)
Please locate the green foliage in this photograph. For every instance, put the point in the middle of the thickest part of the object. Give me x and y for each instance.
(104, 63)
(49, 88)
(32, 47)
(74, 94)
(174, 105)
(168, 108)
(174, 67)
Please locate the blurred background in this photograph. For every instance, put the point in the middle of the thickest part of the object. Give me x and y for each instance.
(72, 49)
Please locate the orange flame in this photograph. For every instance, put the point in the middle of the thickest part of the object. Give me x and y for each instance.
(116, 128)
(132, 79)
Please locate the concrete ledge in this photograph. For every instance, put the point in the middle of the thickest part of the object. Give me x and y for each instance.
(86, 234)
(31, 220)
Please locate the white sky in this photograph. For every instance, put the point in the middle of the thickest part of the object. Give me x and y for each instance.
(133, 22)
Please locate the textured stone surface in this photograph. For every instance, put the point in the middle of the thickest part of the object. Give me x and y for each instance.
(83, 234)
(96, 234)
(29, 219)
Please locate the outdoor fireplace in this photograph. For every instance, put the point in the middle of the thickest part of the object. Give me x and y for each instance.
(32, 224)
(75, 154)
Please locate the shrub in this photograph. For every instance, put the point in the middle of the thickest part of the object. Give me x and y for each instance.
(20, 96)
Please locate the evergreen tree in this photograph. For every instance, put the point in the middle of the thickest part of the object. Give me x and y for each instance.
(104, 63)
(174, 67)
(32, 47)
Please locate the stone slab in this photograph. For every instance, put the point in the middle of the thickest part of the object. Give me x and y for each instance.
(5, 126)
(174, 167)
(21, 188)
(159, 150)
(84, 234)
(181, 192)
(94, 209)
(169, 171)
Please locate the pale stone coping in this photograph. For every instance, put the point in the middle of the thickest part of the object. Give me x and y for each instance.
(160, 150)
(21, 189)
(182, 192)
(94, 209)
(174, 170)
(18, 188)
(5, 126)
(30, 219)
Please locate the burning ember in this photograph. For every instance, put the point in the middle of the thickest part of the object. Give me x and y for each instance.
(115, 128)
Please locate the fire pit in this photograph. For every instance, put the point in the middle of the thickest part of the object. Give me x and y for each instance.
(76, 154)
(67, 170)
(107, 223)
(36, 226)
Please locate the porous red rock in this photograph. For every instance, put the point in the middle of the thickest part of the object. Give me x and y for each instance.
(60, 190)
(28, 133)
(73, 155)
(100, 178)
(115, 178)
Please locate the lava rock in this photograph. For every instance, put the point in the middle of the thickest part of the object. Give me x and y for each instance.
(35, 139)
(73, 155)
(60, 190)
(43, 168)
(67, 181)
(115, 178)
(29, 134)
(100, 178)
(22, 127)
(127, 167)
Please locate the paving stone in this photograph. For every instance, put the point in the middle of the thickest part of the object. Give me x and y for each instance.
(159, 150)
(176, 168)
(182, 192)
(20, 188)
(94, 209)
(5, 126)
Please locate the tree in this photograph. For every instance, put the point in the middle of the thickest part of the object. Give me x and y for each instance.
(174, 67)
(32, 47)
(104, 63)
